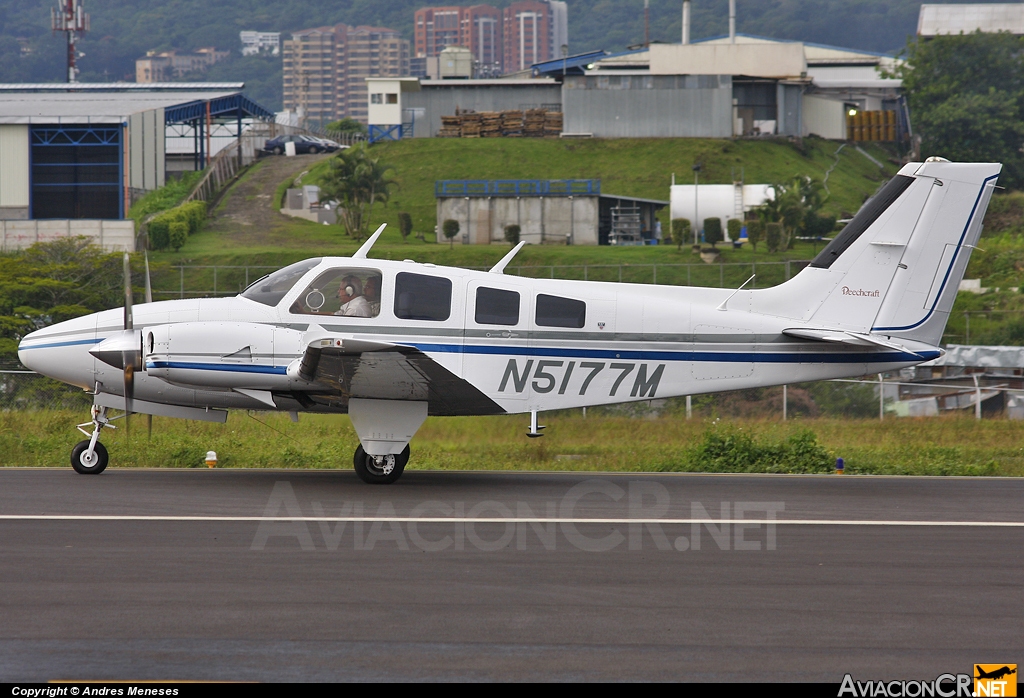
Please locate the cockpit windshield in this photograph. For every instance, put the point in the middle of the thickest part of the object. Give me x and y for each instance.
(271, 289)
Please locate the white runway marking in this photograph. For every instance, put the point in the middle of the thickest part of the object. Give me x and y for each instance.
(453, 519)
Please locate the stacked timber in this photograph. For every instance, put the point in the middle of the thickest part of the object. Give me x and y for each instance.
(533, 123)
(490, 124)
(471, 125)
(553, 124)
(451, 127)
(512, 123)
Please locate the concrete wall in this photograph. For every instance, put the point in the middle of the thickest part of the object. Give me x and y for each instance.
(542, 219)
(824, 117)
(146, 149)
(681, 106)
(442, 100)
(14, 173)
(112, 236)
(766, 60)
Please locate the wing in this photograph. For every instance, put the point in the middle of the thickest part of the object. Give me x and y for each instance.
(378, 370)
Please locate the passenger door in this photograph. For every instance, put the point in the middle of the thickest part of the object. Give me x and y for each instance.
(495, 358)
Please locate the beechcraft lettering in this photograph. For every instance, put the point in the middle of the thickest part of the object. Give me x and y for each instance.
(390, 342)
(548, 374)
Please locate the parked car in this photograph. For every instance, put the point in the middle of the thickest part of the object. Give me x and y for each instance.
(303, 145)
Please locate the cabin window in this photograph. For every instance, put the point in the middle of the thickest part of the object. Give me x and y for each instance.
(554, 311)
(495, 306)
(419, 297)
(272, 288)
(344, 292)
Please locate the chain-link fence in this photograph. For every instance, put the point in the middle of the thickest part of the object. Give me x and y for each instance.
(27, 390)
(202, 281)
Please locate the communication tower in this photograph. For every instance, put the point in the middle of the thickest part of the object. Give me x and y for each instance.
(69, 16)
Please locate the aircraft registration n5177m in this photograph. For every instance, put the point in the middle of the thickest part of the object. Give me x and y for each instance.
(391, 342)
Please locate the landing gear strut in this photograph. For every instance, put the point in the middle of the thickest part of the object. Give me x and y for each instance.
(89, 457)
(379, 470)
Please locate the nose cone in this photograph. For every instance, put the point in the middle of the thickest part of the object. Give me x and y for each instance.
(61, 351)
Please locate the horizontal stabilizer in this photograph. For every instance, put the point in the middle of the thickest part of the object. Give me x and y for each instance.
(859, 339)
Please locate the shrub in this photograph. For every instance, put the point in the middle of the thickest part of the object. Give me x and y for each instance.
(755, 233)
(734, 226)
(735, 451)
(450, 228)
(159, 233)
(773, 236)
(512, 234)
(178, 234)
(713, 231)
(404, 224)
(680, 231)
(195, 213)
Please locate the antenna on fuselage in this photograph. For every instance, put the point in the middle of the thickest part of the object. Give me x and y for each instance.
(722, 306)
(499, 268)
(362, 251)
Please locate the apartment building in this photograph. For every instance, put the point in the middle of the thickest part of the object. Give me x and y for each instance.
(533, 31)
(165, 66)
(325, 69)
(477, 28)
(255, 43)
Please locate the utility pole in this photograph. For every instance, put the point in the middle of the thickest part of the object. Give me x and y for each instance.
(69, 16)
(696, 215)
(647, 23)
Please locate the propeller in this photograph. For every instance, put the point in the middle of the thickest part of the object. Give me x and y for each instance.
(149, 299)
(131, 354)
(124, 351)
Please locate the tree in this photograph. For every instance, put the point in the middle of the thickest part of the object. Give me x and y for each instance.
(735, 228)
(404, 225)
(795, 208)
(713, 231)
(680, 231)
(966, 96)
(755, 233)
(512, 234)
(346, 125)
(774, 238)
(450, 228)
(357, 181)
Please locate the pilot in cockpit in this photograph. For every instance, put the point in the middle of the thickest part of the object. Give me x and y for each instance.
(353, 302)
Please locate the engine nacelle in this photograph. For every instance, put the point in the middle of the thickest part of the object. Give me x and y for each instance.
(222, 354)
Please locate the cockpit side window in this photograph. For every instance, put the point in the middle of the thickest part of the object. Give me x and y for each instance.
(272, 288)
(344, 291)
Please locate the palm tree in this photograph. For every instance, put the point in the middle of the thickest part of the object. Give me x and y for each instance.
(357, 181)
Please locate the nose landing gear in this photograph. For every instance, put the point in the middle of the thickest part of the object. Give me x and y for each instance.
(89, 457)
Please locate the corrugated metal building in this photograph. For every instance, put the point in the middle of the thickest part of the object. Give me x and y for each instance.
(77, 152)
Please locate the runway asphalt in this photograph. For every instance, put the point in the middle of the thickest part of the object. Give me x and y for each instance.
(312, 575)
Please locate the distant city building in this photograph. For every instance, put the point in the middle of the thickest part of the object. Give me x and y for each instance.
(534, 31)
(168, 65)
(934, 20)
(254, 43)
(325, 69)
(477, 28)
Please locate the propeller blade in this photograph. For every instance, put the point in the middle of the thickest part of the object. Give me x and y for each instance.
(128, 320)
(129, 384)
(149, 286)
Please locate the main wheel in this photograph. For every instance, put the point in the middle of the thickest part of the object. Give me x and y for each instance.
(379, 470)
(85, 465)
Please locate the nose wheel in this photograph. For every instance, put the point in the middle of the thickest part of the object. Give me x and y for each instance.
(379, 470)
(89, 461)
(89, 457)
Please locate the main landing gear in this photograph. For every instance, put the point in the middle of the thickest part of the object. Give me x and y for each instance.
(89, 457)
(379, 470)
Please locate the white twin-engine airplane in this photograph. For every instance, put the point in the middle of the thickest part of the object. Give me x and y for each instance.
(392, 342)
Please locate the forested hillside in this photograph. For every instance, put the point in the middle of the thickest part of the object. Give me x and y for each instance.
(123, 30)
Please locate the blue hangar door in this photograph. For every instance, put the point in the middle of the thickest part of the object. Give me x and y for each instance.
(76, 171)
